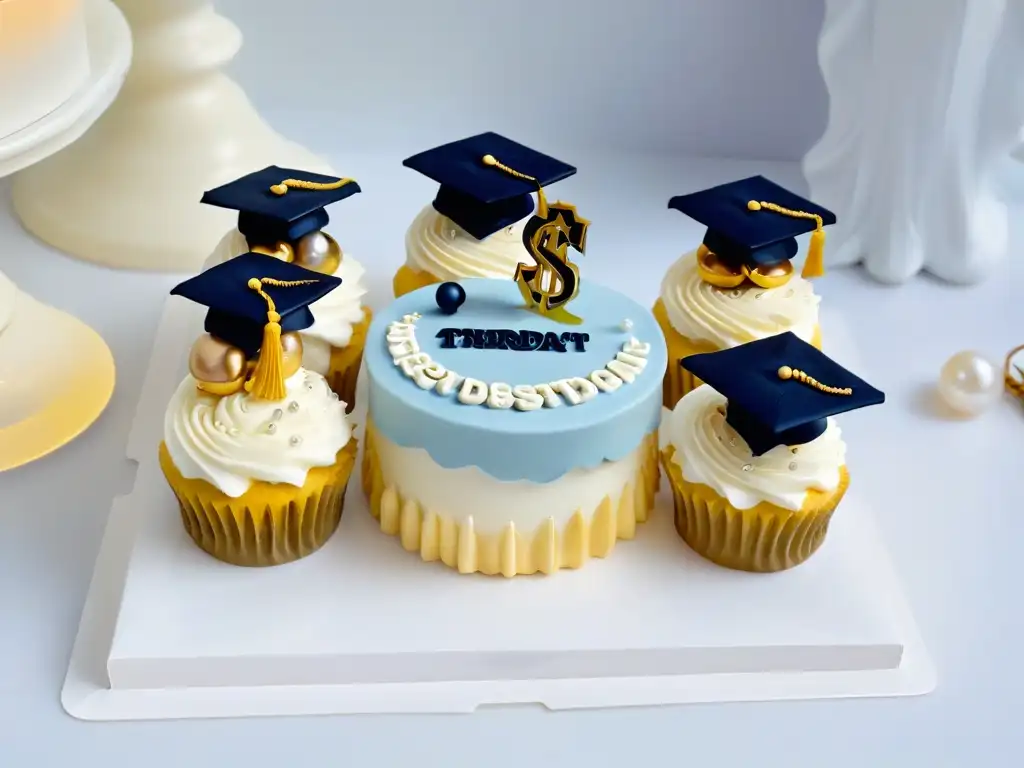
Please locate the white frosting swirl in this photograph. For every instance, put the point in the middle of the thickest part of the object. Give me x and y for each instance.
(334, 315)
(728, 317)
(711, 453)
(437, 245)
(232, 442)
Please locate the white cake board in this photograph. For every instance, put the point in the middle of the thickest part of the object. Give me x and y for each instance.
(364, 627)
(110, 54)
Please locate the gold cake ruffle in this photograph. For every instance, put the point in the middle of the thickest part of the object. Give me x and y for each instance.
(346, 361)
(270, 524)
(511, 552)
(763, 539)
(679, 381)
(408, 280)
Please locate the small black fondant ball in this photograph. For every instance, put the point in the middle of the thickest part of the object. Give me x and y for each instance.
(449, 297)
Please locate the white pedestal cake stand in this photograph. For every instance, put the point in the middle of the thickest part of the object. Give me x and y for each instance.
(363, 626)
(128, 194)
(56, 373)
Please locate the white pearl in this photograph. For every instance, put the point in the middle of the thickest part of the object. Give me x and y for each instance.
(312, 249)
(969, 383)
(626, 325)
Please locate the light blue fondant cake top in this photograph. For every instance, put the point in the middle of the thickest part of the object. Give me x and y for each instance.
(510, 445)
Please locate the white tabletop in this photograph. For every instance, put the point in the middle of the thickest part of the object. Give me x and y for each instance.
(944, 491)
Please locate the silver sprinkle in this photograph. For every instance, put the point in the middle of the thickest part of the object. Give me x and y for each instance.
(748, 467)
(218, 425)
(792, 466)
(452, 234)
(736, 293)
(293, 406)
(793, 450)
(271, 428)
(309, 385)
(277, 414)
(759, 294)
(295, 439)
(732, 441)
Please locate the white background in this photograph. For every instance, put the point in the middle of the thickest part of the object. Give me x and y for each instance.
(732, 77)
(729, 78)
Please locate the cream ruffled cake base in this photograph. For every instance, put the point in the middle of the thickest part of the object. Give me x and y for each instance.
(397, 480)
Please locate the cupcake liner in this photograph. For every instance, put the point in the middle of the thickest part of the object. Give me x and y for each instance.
(346, 361)
(679, 381)
(512, 551)
(762, 539)
(270, 524)
(408, 280)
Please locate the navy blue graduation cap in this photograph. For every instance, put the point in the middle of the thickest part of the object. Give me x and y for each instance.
(781, 390)
(754, 222)
(482, 197)
(238, 314)
(280, 204)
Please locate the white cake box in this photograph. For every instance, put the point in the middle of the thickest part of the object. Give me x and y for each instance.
(363, 626)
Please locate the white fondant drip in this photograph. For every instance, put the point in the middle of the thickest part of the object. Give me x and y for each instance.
(711, 453)
(232, 442)
(437, 245)
(728, 317)
(469, 492)
(428, 374)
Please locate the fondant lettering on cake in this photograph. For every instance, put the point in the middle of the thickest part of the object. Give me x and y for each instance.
(504, 338)
(628, 363)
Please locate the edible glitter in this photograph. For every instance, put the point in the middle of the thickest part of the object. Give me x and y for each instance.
(452, 234)
(732, 441)
(293, 406)
(748, 467)
(309, 385)
(759, 294)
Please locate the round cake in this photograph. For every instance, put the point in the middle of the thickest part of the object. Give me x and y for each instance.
(501, 441)
(44, 59)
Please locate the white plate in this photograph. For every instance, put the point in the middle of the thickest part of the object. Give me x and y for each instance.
(110, 54)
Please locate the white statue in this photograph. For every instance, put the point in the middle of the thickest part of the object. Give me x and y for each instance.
(925, 102)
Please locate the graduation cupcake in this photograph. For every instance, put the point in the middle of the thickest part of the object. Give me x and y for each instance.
(756, 462)
(738, 285)
(474, 226)
(257, 449)
(282, 213)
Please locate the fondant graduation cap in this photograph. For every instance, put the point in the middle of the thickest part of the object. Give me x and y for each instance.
(754, 222)
(280, 204)
(242, 312)
(771, 400)
(480, 197)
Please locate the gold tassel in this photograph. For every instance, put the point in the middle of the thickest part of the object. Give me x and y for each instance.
(267, 381)
(814, 264)
(316, 186)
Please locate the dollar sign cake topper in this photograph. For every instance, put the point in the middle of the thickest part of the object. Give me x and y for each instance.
(553, 281)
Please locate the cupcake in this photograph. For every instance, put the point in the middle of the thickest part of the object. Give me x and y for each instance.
(739, 285)
(474, 227)
(282, 214)
(756, 462)
(257, 449)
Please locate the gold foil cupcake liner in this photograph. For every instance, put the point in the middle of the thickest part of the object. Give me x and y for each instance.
(408, 280)
(346, 362)
(270, 524)
(679, 381)
(437, 536)
(762, 539)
